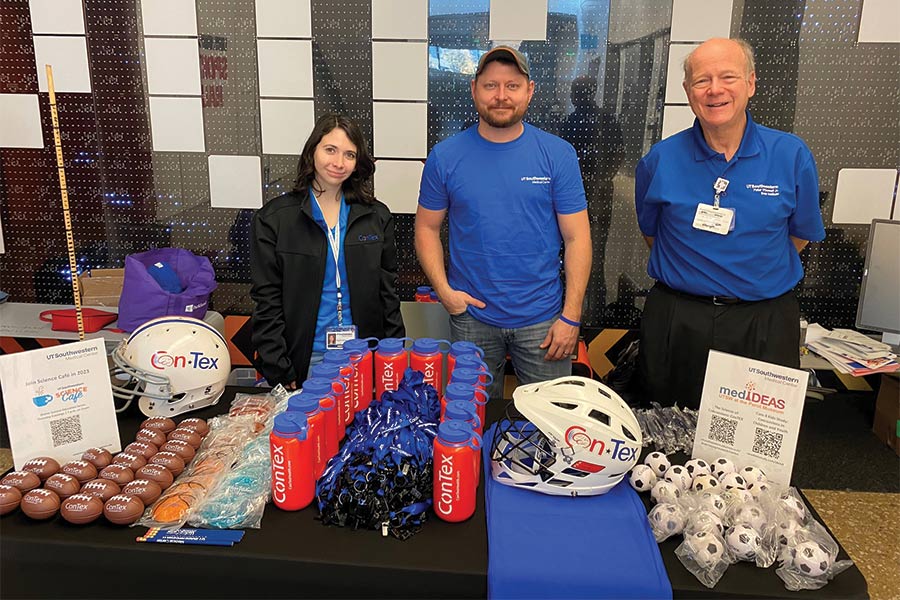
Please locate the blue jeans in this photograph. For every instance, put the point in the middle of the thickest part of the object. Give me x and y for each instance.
(521, 344)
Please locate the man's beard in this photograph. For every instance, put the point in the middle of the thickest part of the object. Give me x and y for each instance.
(513, 118)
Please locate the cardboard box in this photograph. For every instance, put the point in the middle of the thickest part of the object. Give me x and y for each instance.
(887, 412)
(102, 287)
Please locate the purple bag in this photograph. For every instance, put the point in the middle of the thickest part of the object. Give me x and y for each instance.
(142, 297)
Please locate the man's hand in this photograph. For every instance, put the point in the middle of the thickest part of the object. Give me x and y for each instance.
(456, 302)
(560, 341)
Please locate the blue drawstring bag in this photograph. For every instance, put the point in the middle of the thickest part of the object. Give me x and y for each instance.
(143, 298)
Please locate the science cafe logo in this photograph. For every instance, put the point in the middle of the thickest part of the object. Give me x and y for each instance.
(71, 394)
(749, 394)
(576, 435)
(162, 360)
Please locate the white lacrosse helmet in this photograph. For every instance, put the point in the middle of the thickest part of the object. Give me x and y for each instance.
(572, 436)
(172, 365)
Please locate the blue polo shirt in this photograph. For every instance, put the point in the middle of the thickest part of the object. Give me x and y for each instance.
(502, 201)
(774, 192)
(327, 316)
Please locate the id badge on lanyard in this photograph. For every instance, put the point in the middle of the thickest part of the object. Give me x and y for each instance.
(336, 336)
(714, 218)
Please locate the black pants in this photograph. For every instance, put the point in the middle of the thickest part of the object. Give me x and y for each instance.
(678, 331)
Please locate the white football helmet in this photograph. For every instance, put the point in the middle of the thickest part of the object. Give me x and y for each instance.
(172, 365)
(573, 436)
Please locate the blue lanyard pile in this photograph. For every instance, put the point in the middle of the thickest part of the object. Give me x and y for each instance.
(382, 477)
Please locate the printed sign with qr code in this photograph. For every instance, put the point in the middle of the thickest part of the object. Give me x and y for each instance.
(59, 401)
(750, 413)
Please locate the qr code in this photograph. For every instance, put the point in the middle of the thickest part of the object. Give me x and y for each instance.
(767, 443)
(722, 430)
(66, 430)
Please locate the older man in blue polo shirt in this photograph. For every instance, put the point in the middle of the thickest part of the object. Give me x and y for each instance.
(726, 207)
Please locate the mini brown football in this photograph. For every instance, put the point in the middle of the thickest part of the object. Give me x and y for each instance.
(63, 485)
(42, 466)
(182, 449)
(186, 435)
(40, 504)
(123, 509)
(164, 424)
(99, 457)
(132, 461)
(145, 449)
(153, 436)
(81, 470)
(24, 480)
(9, 499)
(169, 460)
(156, 473)
(102, 488)
(81, 509)
(196, 425)
(147, 491)
(117, 473)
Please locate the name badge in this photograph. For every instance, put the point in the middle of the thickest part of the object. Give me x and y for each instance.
(712, 219)
(336, 336)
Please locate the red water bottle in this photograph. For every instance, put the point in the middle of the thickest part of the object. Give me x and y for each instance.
(458, 349)
(466, 392)
(455, 481)
(339, 386)
(423, 293)
(309, 405)
(391, 361)
(321, 388)
(425, 356)
(361, 357)
(293, 480)
(341, 359)
(460, 410)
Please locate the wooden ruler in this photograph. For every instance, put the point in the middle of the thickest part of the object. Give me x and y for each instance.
(70, 240)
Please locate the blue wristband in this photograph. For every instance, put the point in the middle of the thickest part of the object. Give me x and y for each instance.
(569, 321)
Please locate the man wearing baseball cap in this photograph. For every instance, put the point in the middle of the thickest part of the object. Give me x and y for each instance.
(513, 197)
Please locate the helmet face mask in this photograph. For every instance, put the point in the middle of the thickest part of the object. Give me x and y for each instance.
(173, 365)
(569, 436)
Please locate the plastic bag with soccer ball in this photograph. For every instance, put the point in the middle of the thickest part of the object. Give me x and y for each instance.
(704, 554)
(666, 520)
(809, 561)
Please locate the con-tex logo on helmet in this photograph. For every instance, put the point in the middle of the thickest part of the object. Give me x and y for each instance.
(162, 360)
(577, 435)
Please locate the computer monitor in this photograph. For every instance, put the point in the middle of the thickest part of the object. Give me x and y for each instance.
(879, 296)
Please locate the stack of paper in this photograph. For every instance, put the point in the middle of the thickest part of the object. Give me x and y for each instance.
(854, 353)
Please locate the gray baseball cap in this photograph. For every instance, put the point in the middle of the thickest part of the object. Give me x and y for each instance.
(506, 52)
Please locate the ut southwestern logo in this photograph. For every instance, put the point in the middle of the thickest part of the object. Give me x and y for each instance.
(162, 360)
(764, 189)
(537, 180)
(576, 435)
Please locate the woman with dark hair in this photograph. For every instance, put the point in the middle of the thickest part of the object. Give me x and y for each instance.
(322, 258)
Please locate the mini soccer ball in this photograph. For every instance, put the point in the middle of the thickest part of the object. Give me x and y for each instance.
(704, 520)
(705, 549)
(642, 478)
(793, 507)
(731, 481)
(665, 492)
(811, 558)
(721, 467)
(704, 481)
(679, 476)
(658, 462)
(758, 489)
(713, 503)
(743, 541)
(666, 518)
(751, 514)
(696, 466)
(786, 531)
(753, 474)
(737, 496)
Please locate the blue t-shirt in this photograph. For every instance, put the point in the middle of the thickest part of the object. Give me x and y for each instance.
(327, 316)
(503, 201)
(773, 189)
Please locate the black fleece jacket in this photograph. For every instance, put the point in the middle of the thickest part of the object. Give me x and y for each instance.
(287, 262)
